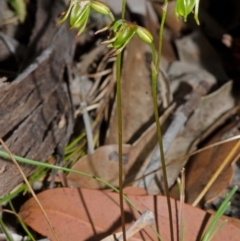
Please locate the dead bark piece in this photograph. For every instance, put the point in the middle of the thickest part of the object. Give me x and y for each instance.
(34, 106)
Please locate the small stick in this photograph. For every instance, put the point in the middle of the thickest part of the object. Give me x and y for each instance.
(146, 219)
(88, 127)
(182, 199)
(216, 174)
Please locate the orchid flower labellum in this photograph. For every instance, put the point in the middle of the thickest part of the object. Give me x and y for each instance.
(78, 12)
(185, 7)
(122, 33)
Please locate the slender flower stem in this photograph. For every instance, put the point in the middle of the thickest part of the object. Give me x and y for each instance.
(164, 14)
(119, 108)
(112, 17)
(123, 8)
(159, 132)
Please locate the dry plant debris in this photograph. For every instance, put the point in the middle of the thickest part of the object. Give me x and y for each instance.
(57, 91)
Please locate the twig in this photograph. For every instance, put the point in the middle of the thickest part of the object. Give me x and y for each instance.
(146, 219)
(216, 174)
(182, 199)
(88, 127)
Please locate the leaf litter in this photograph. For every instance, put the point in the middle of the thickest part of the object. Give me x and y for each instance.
(86, 214)
(189, 58)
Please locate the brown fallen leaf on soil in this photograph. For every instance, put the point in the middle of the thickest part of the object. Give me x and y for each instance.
(103, 162)
(210, 109)
(203, 165)
(92, 215)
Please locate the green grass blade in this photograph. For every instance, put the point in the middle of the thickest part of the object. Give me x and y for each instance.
(217, 229)
(4, 229)
(225, 204)
(22, 223)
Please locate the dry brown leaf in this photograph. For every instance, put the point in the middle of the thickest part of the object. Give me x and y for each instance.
(136, 191)
(209, 111)
(202, 166)
(103, 162)
(93, 215)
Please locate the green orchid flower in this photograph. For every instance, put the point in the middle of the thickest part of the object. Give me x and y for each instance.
(185, 7)
(78, 12)
(122, 33)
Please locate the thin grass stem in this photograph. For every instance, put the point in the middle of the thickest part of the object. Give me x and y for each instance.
(225, 204)
(21, 222)
(5, 231)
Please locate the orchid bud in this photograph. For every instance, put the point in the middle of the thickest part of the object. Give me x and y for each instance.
(65, 14)
(122, 33)
(100, 7)
(79, 10)
(144, 35)
(77, 13)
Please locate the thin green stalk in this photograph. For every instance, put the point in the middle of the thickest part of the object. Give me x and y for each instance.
(72, 144)
(21, 222)
(4, 154)
(46, 165)
(10, 196)
(164, 14)
(40, 172)
(159, 132)
(5, 231)
(225, 204)
(123, 8)
(120, 162)
(218, 228)
(119, 108)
